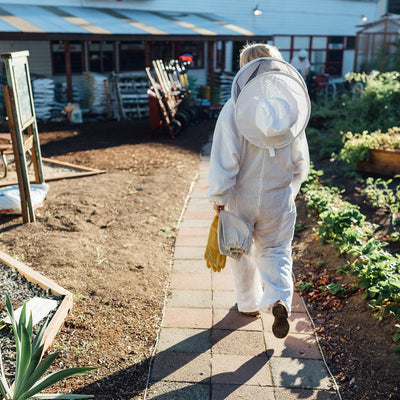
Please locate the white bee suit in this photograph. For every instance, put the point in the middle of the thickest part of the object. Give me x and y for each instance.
(259, 159)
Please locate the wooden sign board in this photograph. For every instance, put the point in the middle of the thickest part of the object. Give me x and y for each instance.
(20, 109)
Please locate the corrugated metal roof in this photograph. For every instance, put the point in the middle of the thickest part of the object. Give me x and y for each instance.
(51, 19)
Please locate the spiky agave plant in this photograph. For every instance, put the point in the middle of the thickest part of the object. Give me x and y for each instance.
(30, 367)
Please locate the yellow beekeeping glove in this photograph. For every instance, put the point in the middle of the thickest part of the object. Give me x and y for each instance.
(213, 257)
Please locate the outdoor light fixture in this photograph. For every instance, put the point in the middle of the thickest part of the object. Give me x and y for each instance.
(363, 18)
(257, 11)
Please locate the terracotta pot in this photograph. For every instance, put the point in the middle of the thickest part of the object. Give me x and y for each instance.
(381, 162)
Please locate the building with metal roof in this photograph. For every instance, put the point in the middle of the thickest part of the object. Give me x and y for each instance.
(74, 36)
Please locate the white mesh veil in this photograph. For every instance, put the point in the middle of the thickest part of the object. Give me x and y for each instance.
(272, 106)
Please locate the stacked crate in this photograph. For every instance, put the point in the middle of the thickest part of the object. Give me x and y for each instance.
(132, 93)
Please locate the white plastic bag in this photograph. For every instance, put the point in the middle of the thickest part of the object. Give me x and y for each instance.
(10, 200)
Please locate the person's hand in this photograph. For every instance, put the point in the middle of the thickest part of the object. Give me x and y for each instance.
(218, 208)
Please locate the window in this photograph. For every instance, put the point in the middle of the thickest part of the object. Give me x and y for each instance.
(394, 7)
(286, 55)
(336, 42)
(283, 42)
(58, 56)
(193, 47)
(319, 42)
(132, 56)
(351, 42)
(318, 58)
(101, 56)
(161, 51)
(301, 42)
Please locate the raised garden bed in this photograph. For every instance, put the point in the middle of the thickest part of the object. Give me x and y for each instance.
(26, 282)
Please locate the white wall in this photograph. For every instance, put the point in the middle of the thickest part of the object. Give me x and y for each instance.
(39, 54)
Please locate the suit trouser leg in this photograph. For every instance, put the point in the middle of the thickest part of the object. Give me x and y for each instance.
(247, 282)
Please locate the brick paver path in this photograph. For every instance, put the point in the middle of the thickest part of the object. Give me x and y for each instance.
(208, 350)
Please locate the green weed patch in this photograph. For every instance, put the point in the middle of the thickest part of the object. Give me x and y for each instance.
(345, 227)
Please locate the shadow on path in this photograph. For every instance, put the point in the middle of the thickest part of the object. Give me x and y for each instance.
(125, 385)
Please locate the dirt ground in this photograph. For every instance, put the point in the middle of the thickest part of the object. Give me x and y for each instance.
(108, 239)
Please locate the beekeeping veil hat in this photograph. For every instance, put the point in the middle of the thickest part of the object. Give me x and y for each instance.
(272, 106)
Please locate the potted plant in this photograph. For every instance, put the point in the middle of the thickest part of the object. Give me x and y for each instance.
(376, 152)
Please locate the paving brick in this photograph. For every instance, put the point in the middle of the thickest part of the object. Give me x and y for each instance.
(242, 343)
(243, 392)
(198, 194)
(297, 304)
(191, 281)
(203, 185)
(199, 205)
(192, 266)
(189, 253)
(294, 345)
(201, 202)
(190, 232)
(301, 373)
(196, 223)
(204, 170)
(181, 367)
(299, 323)
(184, 340)
(224, 299)
(234, 320)
(222, 281)
(191, 241)
(226, 271)
(178, 391)
(206, 215)
(188, 318)
(297, 394)
(190, 298)
(240, 370)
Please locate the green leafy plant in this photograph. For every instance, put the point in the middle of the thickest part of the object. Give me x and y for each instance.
(372, 108)
(343, 225)
(380, 194)
(30, 367)
(304, 286)
(334, 288)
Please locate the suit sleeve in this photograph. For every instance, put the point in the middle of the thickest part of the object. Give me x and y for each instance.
(301, 162)
(225, 156)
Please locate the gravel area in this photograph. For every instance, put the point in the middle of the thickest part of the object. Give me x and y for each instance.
(19, 290)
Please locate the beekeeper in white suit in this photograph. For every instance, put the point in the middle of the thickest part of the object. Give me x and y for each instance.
(259, 159)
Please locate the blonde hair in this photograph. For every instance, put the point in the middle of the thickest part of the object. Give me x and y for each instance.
(251, 51)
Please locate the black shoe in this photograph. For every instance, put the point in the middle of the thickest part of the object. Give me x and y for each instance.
(280, 327)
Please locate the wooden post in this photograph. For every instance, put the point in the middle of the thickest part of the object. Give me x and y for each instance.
(147, 54)
(68, 73)
(211, 70)
(20, 163)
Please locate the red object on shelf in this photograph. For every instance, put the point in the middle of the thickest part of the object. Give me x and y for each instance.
(186, 58)
(321, 81)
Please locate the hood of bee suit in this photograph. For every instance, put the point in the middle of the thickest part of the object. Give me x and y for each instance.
(272, 106)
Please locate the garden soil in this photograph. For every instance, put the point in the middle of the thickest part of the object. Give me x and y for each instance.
(108, 239)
